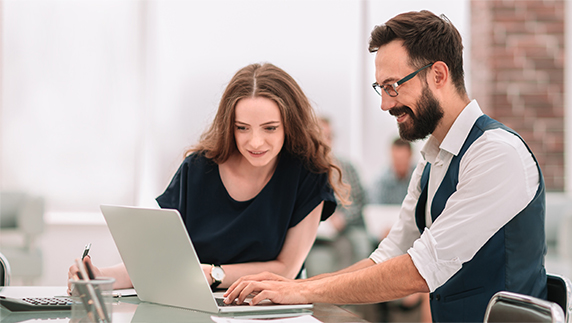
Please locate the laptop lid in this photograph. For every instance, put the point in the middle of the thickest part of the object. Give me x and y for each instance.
(161, 260)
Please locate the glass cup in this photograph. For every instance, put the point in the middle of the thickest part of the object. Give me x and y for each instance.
(92, 300)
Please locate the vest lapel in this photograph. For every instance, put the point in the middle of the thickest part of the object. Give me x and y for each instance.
(422, 202)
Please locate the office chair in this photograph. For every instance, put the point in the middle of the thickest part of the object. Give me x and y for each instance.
(560, 292)
(513, 307)
(21, 224)
(4, 271)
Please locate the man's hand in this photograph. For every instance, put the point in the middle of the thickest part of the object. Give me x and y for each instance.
(266, 285)
(279, 292)
(257, 277)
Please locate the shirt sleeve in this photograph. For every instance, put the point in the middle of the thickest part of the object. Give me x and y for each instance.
(498, 178)
(404, 232)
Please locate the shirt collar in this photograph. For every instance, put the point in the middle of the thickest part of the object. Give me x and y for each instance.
(455, 137)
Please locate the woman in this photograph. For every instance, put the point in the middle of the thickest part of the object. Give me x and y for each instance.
(255, 187)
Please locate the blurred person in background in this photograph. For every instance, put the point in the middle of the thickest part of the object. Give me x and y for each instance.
(342, 239)
(391, 186)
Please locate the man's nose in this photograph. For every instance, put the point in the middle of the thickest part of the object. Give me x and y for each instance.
(387, 103)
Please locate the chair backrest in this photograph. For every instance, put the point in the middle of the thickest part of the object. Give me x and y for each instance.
(513, 307)
(559, 291)
(21, 224)
(22, 212)
(4, 271)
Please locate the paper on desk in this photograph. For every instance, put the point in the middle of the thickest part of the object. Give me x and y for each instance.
(124, 292)
(306, 318)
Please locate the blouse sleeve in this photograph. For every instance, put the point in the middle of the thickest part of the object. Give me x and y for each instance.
(312, 190)
(172, 197)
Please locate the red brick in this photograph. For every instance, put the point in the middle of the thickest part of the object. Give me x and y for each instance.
(526, 54)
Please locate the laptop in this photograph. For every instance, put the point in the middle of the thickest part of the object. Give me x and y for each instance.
(163, 265)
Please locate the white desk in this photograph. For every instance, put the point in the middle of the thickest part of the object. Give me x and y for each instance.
(130, 309)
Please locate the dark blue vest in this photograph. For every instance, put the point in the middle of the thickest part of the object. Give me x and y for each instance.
(512, 260)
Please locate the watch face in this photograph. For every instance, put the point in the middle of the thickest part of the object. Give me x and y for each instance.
(217, 273)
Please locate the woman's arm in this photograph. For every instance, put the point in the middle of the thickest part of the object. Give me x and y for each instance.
(119, 272)
(299, 241)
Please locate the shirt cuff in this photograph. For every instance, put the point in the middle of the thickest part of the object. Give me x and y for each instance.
(435, 271)
(385, 251)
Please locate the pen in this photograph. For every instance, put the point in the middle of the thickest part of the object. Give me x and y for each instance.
(86, 250)
(97, 290)
(91, 276)
(94, 295)
(85, 253)
(82, 293)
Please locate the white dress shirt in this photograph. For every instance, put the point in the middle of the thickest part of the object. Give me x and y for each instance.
(497, 179)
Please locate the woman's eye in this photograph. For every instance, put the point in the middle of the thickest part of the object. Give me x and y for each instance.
(272, 128)
(241, 128)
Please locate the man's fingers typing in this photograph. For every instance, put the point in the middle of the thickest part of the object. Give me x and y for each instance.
(240, 292)
(257, 277)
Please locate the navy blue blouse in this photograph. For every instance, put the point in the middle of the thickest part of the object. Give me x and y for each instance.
(226, 231)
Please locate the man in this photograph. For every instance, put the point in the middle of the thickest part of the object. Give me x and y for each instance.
(473, 221)
(342, 239)
(391, 187)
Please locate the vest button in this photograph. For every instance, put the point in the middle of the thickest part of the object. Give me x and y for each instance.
(438, 297)
(431, 297)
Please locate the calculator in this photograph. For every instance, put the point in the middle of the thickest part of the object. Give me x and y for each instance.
(36, 303)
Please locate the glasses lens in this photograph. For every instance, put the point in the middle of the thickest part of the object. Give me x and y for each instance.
(390, 90)
(377, 88)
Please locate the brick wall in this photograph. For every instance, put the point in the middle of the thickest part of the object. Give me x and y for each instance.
(517, 74)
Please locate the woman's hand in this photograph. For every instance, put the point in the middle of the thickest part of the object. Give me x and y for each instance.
(73, 270)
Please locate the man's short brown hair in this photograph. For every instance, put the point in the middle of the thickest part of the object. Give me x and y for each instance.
(427, 38)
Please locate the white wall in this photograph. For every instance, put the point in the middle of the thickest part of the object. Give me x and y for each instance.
(101, 98)
(198, 46)
(71, 101)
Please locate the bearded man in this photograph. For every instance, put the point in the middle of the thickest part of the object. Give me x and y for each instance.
(472, 223)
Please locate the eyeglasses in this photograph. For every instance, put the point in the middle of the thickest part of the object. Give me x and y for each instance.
(391, 89)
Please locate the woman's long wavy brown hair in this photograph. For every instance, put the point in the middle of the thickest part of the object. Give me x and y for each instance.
(301, 129)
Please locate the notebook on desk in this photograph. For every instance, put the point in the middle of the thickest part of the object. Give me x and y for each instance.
(162, 263)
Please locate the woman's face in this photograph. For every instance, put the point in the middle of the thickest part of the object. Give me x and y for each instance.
(258, 130)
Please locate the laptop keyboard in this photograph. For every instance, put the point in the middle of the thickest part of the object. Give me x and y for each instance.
(220, 302)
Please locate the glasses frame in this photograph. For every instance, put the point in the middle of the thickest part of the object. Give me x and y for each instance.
(394, 86)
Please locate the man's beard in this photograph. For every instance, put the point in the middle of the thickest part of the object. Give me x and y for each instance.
(429, 114)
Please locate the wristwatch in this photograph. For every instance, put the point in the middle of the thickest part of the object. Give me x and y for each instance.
(217, 273)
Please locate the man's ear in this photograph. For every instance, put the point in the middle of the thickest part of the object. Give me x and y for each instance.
(439, 74)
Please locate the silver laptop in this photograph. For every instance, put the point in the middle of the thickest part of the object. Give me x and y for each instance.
(162, 262)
